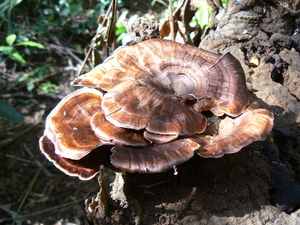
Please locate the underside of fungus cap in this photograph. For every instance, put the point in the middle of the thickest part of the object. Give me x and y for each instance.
(85, 168)
(155, 158)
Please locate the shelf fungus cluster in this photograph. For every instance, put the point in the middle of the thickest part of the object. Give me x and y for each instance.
(151, 106)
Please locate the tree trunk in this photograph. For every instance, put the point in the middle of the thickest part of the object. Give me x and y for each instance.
(246, 187)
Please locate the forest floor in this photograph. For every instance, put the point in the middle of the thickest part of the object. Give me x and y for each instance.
(32, 189)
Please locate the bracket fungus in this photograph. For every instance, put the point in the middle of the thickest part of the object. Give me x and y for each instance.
(144, 109)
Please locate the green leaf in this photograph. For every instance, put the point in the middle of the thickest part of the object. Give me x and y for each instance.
(16, 56)
(47, 88)
(9, 112)
(65, 12)
(75, 9)
(8, 5)
(120, 30)
(4, 6)
(24, 102)
(10, 39)
(32, 44)
(7, 49)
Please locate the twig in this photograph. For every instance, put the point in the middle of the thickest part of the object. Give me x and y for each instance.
(74, 56)
(186, 27)
(28, 191)
(60, 48)
(44, 210)
(38, 163)
(162, 2)
(18, 158)
(111, 26)
(10, 140)
(171, 21)
(19, 95)
(53, 208)
(94, 39)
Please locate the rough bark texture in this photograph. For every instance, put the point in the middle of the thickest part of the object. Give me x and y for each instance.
(246, 187)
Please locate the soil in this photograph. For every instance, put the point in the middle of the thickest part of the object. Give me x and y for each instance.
(258, 185)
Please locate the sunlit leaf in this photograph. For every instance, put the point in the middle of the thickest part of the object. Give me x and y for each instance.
(32, 44)
(7, 49)
(10, 39)
(47, 88)
(203, 14)
(22, 37)
(9, 112)
(16, 56)
(120, 30)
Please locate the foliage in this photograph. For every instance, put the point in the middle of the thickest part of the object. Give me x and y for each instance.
(35, 77)
(28, 27)
(6, 8)
(9, 112)
(203, 14)
(121, 32)
(224, 3)
(11, 49)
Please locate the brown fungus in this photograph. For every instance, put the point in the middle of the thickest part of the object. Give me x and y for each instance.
(153, 112)
(68, 125)
(236, 133)
(175, 69)
(155, 158)
(138, 105)
(85, 168)
(117, 135)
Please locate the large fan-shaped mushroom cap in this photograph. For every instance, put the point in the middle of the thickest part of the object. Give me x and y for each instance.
(68, 124)
(151, 107)
(138, 105)
(179, 69)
